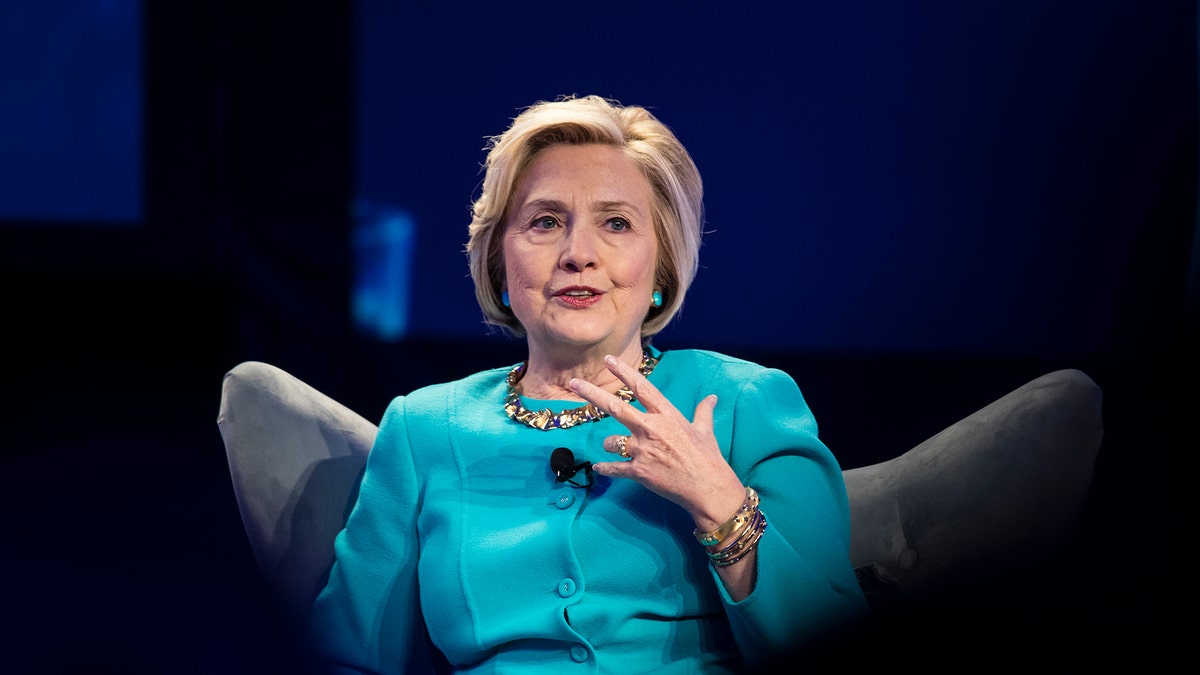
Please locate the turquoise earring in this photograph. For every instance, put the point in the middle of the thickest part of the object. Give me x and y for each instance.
(656, 298)
(504, 299)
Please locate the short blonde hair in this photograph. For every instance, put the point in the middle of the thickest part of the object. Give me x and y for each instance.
(676, 194)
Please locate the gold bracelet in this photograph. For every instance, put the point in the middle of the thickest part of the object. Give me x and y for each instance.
(745, 548)
(736, 522)
(740, 541)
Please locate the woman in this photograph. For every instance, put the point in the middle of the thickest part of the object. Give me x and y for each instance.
(693, 522)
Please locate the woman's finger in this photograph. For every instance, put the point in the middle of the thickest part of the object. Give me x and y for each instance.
(618, 445)
(610, 404)
(643, 390)
(703, 417)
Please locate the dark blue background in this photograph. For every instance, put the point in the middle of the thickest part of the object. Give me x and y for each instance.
(891, 177)
(914, 208)
(71, 121)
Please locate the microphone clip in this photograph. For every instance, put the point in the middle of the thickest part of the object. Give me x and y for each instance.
(562, 464)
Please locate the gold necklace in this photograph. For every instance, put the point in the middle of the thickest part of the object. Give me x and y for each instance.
(544, 419)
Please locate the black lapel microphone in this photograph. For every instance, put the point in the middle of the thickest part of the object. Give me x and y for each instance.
(562, 463)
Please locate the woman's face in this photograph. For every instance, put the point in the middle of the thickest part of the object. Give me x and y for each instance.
(580, 249)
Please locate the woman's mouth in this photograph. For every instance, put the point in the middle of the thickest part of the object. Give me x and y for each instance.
(578, 297)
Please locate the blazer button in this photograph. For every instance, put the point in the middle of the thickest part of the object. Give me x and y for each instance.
(579, 653)
(565, 500)
(566, 587)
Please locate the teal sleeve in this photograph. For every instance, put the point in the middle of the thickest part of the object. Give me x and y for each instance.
(372, 586)
(806, 588)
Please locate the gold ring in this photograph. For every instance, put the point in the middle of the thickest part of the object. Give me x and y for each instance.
(621, 441)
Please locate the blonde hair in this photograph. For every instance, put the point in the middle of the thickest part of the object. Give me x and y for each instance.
(676, 194)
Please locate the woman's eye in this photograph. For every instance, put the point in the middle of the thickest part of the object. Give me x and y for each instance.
(618, 224)
(545, 223)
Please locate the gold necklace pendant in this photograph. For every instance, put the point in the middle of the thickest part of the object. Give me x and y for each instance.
(545, 419)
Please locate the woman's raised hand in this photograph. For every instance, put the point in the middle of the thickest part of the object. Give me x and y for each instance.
(670, 455)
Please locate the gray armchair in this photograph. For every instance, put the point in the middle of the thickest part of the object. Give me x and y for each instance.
(1003, 484)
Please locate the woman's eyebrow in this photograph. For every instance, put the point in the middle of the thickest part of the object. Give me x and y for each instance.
(559, 206)
(616, 205)
(547, 204)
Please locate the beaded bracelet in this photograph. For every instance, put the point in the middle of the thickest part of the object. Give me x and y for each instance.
(735, 523)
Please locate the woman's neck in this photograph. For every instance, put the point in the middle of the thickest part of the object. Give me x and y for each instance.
(548, 374)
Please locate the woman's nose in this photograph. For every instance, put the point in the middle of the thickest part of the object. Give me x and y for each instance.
(579, 249)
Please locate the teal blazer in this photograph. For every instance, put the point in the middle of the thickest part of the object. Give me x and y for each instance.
(463, 553)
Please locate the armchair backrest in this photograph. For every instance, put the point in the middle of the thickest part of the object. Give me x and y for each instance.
(296, 457)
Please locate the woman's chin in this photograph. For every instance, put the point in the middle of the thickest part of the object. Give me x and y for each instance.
(579, 336)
